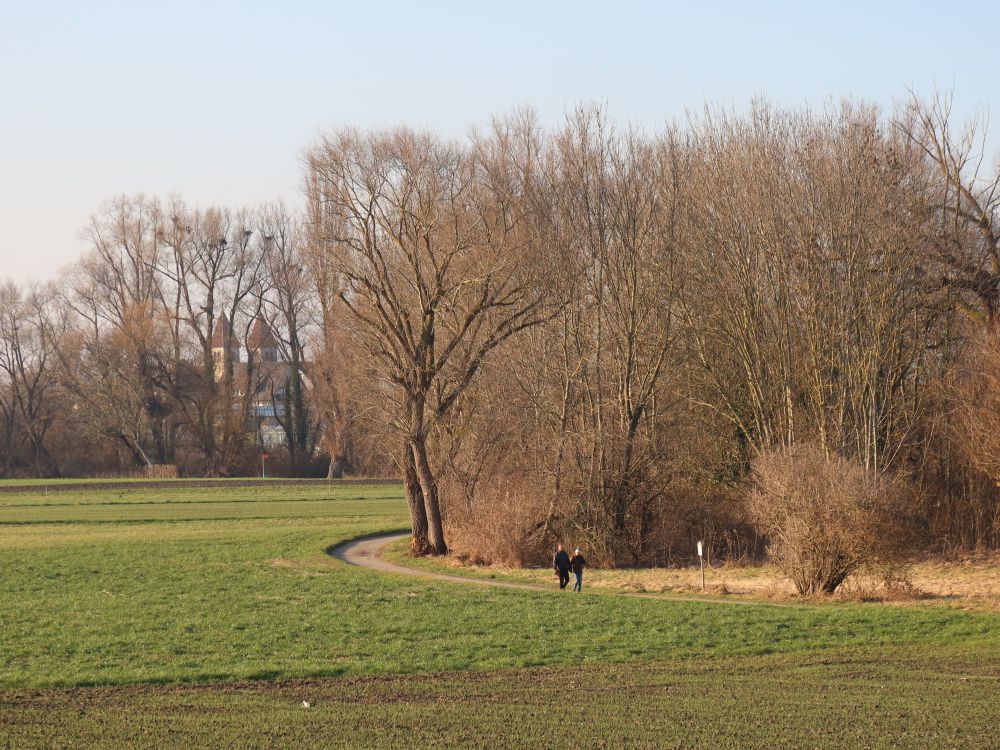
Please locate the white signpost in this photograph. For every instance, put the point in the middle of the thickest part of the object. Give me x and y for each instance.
(701, 561)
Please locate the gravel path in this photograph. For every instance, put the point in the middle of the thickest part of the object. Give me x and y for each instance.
(366, 553)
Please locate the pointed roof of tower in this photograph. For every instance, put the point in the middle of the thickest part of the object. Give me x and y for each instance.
(262, 336)
(223, 332)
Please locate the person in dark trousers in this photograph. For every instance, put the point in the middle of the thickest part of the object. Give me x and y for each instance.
(560, 563)
(577, 564)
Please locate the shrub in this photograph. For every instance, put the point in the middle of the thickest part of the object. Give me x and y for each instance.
(825, 517)
(500, 524)
(688, 513)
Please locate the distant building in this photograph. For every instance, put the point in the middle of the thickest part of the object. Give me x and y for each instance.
(270, 375)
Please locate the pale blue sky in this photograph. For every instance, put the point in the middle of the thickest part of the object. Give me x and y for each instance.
(215, 101)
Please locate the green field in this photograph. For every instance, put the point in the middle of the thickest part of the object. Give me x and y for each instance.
(213, 613)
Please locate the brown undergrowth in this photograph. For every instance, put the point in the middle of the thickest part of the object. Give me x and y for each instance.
(972, 584)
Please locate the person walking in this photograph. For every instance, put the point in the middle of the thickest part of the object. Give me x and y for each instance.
(560, 563)
(578, 564)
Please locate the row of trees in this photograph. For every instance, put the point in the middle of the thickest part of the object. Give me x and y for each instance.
(591, 332)
(597, 332)
(117, 364)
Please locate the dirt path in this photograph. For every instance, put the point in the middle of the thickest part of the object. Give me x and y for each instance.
(366, 553)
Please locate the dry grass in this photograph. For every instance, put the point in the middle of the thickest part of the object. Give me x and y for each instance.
(973, 583)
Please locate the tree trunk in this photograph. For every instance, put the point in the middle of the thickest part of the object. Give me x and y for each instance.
(623, 490)
(337, 466)
(419, 544)
(429, 489)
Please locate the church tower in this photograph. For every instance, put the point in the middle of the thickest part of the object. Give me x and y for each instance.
(262, 342)
(224, 346)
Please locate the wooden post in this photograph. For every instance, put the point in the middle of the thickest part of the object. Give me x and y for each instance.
(701, 561)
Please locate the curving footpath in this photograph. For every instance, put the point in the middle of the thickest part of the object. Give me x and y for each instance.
(366, 553)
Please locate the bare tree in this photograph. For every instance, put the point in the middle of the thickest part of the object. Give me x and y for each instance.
(334, 368)
(118, 298)
(29, 330)
(287, 309)
(806, 308)
(219, 272)
(429, 248)
(964, 198)
(620, 202)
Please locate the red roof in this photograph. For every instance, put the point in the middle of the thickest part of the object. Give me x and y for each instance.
(261, 336)
(222, 332)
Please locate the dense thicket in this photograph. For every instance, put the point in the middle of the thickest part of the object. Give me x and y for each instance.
(591, 333)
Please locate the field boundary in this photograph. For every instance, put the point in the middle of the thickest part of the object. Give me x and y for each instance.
(158, 484)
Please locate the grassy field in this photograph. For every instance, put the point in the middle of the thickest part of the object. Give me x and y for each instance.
(172, 599)
(882, 700)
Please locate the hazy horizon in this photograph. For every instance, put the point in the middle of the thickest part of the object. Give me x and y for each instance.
(216, 102)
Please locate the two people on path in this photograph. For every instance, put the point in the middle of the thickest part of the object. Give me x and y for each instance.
(562, 564)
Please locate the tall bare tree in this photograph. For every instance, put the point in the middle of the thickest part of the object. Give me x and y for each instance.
(620, 201)
(335, 357)
(436, 270)
(218, 268)
(964, 196)
(29, 334)
(118, 297)
(288, 309)
(807, 310)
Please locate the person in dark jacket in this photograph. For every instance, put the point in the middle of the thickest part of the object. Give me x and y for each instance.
(577, 564)
(560, 563)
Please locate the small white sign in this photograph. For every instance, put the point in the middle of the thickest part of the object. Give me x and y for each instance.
(699, 549)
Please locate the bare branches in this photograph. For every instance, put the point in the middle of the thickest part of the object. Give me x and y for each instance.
(594, 327)
(432, 267)
(962, 197)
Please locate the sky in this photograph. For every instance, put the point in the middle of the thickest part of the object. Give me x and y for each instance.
(216, 102)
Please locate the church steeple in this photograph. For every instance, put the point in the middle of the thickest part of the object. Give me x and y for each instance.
(224, 345)
(262, 342)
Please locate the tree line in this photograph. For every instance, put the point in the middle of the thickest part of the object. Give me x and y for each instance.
(116, 365)
(589, 330)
